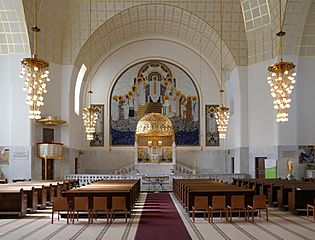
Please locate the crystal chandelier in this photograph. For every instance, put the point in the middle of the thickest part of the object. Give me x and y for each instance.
(89, 117)
(281, 81)
(90, 113)
(36, 75)
(222, 113)
(222, 116)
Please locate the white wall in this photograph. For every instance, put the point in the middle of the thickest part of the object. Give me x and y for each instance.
(110, 69)
(5, 102)
(305, 87)
(238, 125)
(262, 124)
(253, 130)
(15, 127)
(270, 139)
(106, 72)
(53, 97)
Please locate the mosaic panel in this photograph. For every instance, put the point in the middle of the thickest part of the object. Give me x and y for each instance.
(154, 86)
(98, 136)
(212, 134)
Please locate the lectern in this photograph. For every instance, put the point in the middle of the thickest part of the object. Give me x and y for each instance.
(51, 151)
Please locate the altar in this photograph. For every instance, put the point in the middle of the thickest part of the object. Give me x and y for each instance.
(155, 149)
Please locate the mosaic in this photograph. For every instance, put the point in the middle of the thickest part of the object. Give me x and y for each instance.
(212, 134)
(98, 136)
(154, 86)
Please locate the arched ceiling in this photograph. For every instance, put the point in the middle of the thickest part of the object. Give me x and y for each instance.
(13, 34)
(161, 21)
(308, 37)
(62, 40)
(249, 26)
(262, 22)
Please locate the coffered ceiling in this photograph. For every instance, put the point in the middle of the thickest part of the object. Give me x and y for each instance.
(13, 33)
(249, 27)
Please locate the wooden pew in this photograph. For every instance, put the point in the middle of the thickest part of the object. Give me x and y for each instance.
(127, 188)
(278, 191)
(31, 193)
(41, 190)
(187, 189)
(13, 202)
(299, 197)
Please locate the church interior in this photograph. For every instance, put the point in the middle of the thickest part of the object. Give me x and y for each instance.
(157, 119)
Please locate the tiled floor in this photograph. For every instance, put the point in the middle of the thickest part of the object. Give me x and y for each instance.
(281, 225)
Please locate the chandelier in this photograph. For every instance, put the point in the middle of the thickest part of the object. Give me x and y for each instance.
(35, 73)
(222, 116)
(281, 81)
(90, 113)
(89, 117)
(222, 113)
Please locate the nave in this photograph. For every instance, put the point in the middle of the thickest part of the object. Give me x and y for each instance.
(281, 225)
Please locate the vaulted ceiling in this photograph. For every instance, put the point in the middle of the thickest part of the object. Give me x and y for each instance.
(249, 27)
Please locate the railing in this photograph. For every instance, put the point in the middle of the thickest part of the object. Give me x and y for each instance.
(220, 176)
(124, 169)
(185, 168)
(88, 178)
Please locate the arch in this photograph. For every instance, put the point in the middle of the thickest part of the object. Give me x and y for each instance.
(142, 20)
(154, 90)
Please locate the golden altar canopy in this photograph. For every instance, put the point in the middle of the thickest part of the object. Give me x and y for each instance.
(155, 124)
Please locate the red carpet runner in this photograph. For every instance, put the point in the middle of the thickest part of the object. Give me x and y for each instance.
(160, 220)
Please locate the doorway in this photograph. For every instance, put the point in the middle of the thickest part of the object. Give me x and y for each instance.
(48, 137)
(232, 165)
(50, 169)
(260, 167)
(76, 166)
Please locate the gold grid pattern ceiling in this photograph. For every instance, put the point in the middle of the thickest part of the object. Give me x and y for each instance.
(249, 26)
(65, 23)
(295, 15)
(158, 20)
(308, 37)
(261, 19)
(13, 33)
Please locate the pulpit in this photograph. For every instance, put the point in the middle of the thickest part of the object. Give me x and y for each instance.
(51, 151)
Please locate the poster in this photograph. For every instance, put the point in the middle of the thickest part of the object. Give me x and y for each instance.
(306, 154)
(4, 155)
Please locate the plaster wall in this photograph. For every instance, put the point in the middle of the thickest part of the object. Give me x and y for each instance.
(253, 131)
(104, 77)
(5, 102)
(110, 69)
(262, 126)
(305, 87)
(15, 127)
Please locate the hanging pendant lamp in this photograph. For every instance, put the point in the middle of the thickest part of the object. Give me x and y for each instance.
(222, 113)
(90, 113)
(281, 81)
(35, 73)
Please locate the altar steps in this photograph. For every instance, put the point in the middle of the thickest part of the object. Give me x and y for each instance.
(154, 108)
(141, 111)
